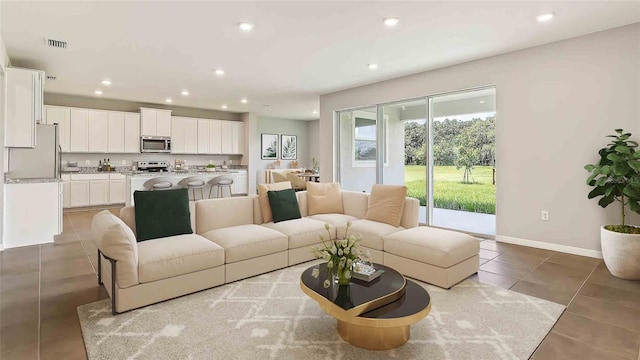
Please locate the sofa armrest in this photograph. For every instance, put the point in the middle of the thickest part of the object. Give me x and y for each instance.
(410, 213)
(116, 240)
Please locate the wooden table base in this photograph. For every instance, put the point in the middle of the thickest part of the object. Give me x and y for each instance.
(373, 338)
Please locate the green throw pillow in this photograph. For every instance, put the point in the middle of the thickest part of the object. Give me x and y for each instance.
(162, 213)
(284, 205)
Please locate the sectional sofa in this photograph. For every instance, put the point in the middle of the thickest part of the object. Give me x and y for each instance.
(231, 242)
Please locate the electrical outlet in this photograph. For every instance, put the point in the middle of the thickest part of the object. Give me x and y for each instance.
(87, 162)
(544, 215)
(124, 162)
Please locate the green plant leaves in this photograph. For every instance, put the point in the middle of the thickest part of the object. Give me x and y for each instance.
(605, 201)
(589, 167)
(623, 149)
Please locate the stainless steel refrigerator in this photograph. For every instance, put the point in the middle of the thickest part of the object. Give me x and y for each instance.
(41, 162)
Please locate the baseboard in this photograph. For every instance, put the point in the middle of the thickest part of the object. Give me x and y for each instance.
(549, 246)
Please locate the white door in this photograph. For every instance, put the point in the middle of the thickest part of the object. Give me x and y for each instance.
(116, 132)
(79, 193)
(177, 135)
(116, 191)
(215, 137)
(203, 136)
(163, 123)
(98, 192)
(132, 133)
(227, 137)
(98, 131)
(148, 119)
(238, 137)
(62, 117)
(78, 136)
(191, 136)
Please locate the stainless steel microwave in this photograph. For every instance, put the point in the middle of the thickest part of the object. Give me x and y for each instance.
(155, 144)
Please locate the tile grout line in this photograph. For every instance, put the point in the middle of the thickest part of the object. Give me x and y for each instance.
(582, 285)
(532, 270)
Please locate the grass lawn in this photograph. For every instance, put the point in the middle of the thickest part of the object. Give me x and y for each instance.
(449, 191)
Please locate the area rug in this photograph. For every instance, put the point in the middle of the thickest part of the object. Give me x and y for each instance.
(268, 317)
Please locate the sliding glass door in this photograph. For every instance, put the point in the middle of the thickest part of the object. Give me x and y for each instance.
(358, 149)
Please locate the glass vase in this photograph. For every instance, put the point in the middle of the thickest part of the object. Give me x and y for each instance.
(339, 278)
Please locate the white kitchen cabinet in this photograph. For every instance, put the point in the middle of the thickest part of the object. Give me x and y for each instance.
(66, 190)
(155, 122)
(79, 193)
(191, 136)
(61, 116)
(132, 133)
(240, 183)
(116, 132)
(32, 213)
(215, 137)
(78, 136)
(23, 103)
(203, 136)
(227, 137)
(98, 131)
(177, 135)
(98, 192)
(237, 137)
(116, 190)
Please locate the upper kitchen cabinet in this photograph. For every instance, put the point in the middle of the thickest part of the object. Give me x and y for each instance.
(215, 137)
(98, 131)
(232, 137)
(61, 116)
(79, 134)
(23, 101)
(132, 133)
(116, 132)
(155, 122)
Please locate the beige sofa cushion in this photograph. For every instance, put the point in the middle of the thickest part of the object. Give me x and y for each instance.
(355, 203)
(303, 232)
(263, 189)
(117, 241)
(278, 177)
(324, 198)
(386, 203)
(247, 241)
(442, 248)
(372, 232)
(219, 213)
(171, 256)
(296, 181)
(334, 219)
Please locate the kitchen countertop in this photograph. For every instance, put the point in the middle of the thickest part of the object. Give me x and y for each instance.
(179, 173)
(126, 170)
(32, 181)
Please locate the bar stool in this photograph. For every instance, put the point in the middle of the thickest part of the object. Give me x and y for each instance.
(159, 183)
(220, 181)
(193, 183)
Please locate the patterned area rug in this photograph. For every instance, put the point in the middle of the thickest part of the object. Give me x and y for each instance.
(268, 316)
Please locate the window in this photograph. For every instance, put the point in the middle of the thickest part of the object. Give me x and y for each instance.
(364, 139)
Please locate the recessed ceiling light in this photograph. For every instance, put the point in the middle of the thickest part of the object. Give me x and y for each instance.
(315, 112)
(372, 66)
(185, 93)
(106, 82)
(219, 72)
(224, 106)
(245, 26)
(168, 100)
(244, 101)
(391, 21)
(481, 101)
(545, 17)
(98, 92)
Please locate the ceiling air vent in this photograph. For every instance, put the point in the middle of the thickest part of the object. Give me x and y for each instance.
(51, 77)
(57, 43)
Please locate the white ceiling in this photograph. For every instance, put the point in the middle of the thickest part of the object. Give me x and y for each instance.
(297, 51)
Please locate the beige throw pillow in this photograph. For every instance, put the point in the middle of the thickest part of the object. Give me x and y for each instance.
(263, 189)
(296, 181)
(324, 198)
(386, 204)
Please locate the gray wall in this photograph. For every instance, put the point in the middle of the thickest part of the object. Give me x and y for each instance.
(555, 104)
(123, 105)
(313, 136)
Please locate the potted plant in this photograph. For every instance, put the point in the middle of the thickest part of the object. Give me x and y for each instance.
(616, 178)
(210, 167)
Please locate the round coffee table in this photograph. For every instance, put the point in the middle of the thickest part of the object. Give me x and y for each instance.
(374, 315)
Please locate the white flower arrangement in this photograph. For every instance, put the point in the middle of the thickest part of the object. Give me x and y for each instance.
(340, 255)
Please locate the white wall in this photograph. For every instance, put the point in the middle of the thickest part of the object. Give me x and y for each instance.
(4, 61)
(313, 136)
(555, 104)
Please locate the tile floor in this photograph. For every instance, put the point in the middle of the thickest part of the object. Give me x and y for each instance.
(41, 286)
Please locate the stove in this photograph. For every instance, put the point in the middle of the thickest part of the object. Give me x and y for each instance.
(153, 166)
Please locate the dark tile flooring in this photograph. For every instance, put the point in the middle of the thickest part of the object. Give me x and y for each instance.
(41, 286)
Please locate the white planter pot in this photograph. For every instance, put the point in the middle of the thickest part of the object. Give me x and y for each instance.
(621, 253)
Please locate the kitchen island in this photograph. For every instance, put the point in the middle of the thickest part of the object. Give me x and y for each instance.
(135, 181)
